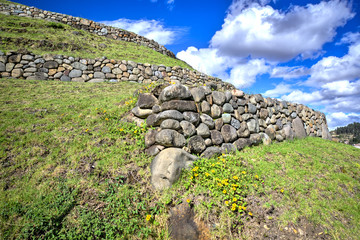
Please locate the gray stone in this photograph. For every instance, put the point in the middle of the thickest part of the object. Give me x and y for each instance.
(170, 138)
(16, 73)
(215, 111)
(38, 76)
(211, 152)
(65, 78)
(226, 118)
(167, 166)
(279, 138)
(205, 107)
(106, 69)
(14, 58)
(180, 105)
(9, 67)
(325, 132)
(219, 123)
(52, 64)
(241, 102)
(170, 124)
(206, 89)
(271, 132)
(207, 120)
(141, 113)
(208, 142)
(78, 66)
(241, 110)
(229, 133)
(293, 115)
(96, 80)
(31, 69)
(192, 117)
(156, 108)
(75, 73)
(298, 127)
(243, 131)
(78, 79)
(175, 92)
(279, 124)
(251, 108)
(228, 96)
(196, 144)
(228, 148)
(188, 128)
(146, 100)
(242, 143)
(216, 137)
(265, 139)
(154, 150)
(203, 130)
(58, 75)
(253, 125)
(255, 139)
(246, 116)
(228, 108)
(150, 137)
(27, 57)
(169, 114)
(235, 123)
(218, 98)
(198, 94)
(264, 113)
(2, 67)
(288, 132)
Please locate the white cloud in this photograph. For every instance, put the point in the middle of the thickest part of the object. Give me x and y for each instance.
(332, 68)
(263, 32)
(244, 75)
(298, 96)
(338, 119)
(289, 72)
(349, 38)
(279, 90)
(151, 29)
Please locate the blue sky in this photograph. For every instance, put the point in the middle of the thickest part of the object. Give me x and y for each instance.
(300, 51)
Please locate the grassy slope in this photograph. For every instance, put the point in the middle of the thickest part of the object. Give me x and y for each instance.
(71, 169)
(42, 37)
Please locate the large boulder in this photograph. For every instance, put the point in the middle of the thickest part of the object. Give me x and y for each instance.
(180, 105)
(216, 137)
(192, 117)
(325, 132)
(288, 132)
(253, 125)
(211, 151)
(188, 128)
(298, 127)
(229, 133)
(167, 165)
(146, 100)
(198, 94)
(196, 144)
(170, 138)
(218, 98)
(176, 91)
(241, 143)
(206, 119)
(141, 113)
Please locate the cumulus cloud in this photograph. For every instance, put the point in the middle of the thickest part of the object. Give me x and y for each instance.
(349, 38)
(279, 90)
(289, 72)
(338, 119)
(151, 29)
(330, 69)
(252, 29)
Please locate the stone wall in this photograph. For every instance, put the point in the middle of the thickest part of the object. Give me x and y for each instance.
(207, 122)
(85, 24)
(63, 68)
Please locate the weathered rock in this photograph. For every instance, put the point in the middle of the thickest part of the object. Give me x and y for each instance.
(15, 58)
(203, 130)
(207, 120)
(146, 100)
(265, 139)
(192, 117)
(170, 138)
(235, 123)
(293, 115)
(170, 124)
(53, 64)
(216, 137)
(264, 113)
(253, 125)
(141, 113)
(251, 108)
(208, 142)
(188, 128)
(196, 144)
(271, 132)
(226, 118)
(229, 133)
(2, 67)
(177, 91)
(150, 137)
(218, 98)
(18, 72)
(288, 132)
(255, 139)
(279, 124)
(237, 93)
(75, 73)
(228, 148)
(211, 152)
(198, 94)
(298, 128)
(325, 132)
(180, 105)
(219, 123)
(228, 108)
(215, 111)
(241, 143)
(65, 78)
(167, 166)
(169, 114)
(205, 107)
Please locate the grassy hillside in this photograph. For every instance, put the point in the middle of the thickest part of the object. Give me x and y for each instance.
(42, 37)
(71, 169)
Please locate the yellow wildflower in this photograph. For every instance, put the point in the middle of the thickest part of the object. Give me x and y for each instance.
(188, 200)
(250, 213)
(256, 176)
(87, 130)
(224, 191)
(227, 202)
(243, 172)
(106, 119)
(121, 129)
(207, 174)
(234, 199)
(235, 177)
(148, 217)
(135, 131)
(196, 174)
(282, 190)
(213, 171)
(104, 111)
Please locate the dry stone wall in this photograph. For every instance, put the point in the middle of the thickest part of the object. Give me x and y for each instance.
(207, 122)
(85, 24)
(64, 68)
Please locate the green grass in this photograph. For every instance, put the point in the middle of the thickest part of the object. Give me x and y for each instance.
(71, 169)
(44, 37)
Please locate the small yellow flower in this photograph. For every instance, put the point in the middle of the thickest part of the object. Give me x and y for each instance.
(256, 176)
(235, 177)
(207, 174)
(188, 200)
(135, 131)
(196, 174)
(224, 191)
(234, 188)
(213, 171)
(243, 172)
(227, 202)
(191, 177)
(204, 85)
(282, 190)
(219, 184)
(234, 199)
(250, 213)
(121, 129)
(148, 217)
(106, 119)
(104, 111)
(244, 208)
(96, 108)
(87, 130)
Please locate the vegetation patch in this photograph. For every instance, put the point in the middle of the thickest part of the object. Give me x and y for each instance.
(72, 169)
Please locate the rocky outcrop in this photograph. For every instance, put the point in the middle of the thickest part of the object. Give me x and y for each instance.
(236, 120)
